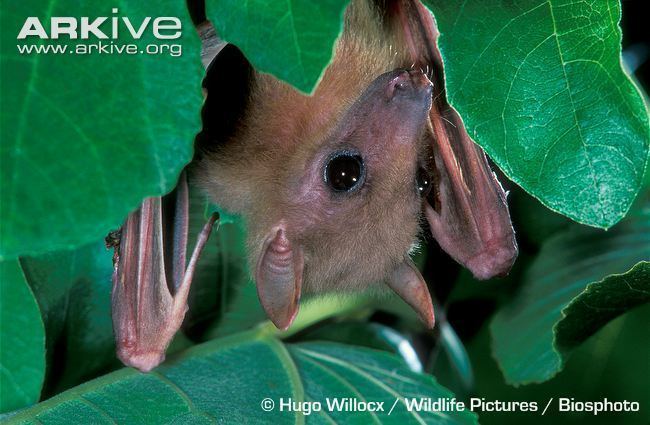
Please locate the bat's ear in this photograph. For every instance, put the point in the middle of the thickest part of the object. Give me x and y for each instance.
(279, 277)
(408, 283)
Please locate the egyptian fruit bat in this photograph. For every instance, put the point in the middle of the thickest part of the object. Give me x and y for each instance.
(334, 185)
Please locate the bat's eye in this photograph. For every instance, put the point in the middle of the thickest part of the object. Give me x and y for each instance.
(423, 182)
(344, 171)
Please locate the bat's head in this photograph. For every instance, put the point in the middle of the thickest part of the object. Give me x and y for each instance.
(349, 211)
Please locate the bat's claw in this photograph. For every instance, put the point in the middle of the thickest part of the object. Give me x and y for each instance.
(144, 362)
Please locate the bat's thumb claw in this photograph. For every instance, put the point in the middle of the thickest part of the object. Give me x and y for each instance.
(143, 361)
(493, 262)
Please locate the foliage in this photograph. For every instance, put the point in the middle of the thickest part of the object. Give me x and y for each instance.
(190, 387)
(541, 87)
(286, 40)
(562, 301)
(22, 340)
(86, 138)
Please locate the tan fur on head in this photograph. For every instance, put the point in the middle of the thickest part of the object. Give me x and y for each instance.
(269, 170)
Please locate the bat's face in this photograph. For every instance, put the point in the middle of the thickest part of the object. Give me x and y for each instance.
(331, 185)
(355, 209)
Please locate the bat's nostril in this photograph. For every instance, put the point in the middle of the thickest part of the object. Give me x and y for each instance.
(409, 79)
(420, 79)
(402, 79)
(399, 83)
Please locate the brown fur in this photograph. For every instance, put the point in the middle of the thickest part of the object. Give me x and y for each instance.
(270, 169)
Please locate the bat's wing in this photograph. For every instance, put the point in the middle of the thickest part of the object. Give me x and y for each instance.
(147, 311)
(468, 214)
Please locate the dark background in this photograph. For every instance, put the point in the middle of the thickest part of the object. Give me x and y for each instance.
(636, 35)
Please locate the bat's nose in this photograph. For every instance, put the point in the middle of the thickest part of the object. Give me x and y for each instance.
(420, 80)
(408, 82)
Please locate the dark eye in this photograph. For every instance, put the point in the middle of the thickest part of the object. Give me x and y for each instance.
(344, 171)
(423, 182)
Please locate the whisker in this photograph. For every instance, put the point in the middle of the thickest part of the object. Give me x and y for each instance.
(443, 117)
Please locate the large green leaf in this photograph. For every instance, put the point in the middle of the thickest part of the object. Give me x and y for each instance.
(22, 340)
(73, 289)
(613, 364)
(372, 335)
(290, 39)
(539, 84)
(86, 137)
(226, 380)
(601, 302)
(565, 299)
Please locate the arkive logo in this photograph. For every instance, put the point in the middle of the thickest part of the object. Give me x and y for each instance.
(163, 28)
(102, 35)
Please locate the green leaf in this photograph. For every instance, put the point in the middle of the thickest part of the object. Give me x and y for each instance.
(372, 335)
(613, 364)
(86, 137)
(227, 379)
(564, 298)
(73, 290)
(601, 302)
(242, 312)
(534, 222)
(335, 370)
(22, 341)
(293, 40)
(540, 87)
